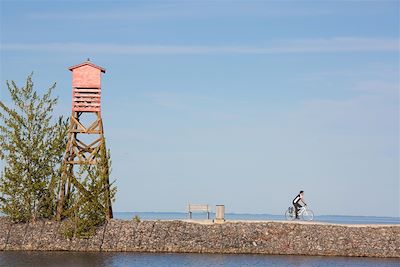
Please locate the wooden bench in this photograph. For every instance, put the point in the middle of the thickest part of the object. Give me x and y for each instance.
(198, 208)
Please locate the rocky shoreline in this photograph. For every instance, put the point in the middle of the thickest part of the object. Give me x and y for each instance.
(261, 237)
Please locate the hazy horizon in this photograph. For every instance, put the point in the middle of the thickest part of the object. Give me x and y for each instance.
(233, 212)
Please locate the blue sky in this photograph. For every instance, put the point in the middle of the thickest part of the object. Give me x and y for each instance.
(242, 103)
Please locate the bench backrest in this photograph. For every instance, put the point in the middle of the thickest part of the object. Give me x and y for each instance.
(198, 207)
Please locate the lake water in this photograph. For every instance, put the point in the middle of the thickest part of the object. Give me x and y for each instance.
(258, 217)
(125, 259)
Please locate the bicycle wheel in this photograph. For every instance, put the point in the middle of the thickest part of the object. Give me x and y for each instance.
(289, 216)
(307, 215)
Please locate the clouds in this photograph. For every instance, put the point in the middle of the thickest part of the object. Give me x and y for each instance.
(296, 46)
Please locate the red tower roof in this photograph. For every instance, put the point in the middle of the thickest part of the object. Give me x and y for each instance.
(87, 62)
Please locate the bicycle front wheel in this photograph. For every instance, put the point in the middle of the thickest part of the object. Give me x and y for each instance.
(307, 215)
(289, 216)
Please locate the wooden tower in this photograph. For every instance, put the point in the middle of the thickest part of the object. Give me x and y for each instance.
(85, 124)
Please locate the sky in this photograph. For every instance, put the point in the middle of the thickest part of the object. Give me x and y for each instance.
(240, 103)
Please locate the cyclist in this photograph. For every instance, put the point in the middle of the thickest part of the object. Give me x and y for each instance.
(296, 204)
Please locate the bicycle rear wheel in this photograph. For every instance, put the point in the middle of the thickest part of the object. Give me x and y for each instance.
(307, 215)
(289, 216)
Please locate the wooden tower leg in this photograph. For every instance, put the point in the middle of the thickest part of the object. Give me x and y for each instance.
(61, 198)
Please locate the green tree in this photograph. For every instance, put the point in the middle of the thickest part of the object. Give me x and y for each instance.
(32, 145)
(92, 211)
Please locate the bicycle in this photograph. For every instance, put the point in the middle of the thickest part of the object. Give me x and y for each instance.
(304, 212)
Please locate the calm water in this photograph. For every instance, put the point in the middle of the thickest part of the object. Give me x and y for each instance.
(76, 259)
(258, 217)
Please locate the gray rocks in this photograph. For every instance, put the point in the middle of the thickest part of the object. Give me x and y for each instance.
(286, 238)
